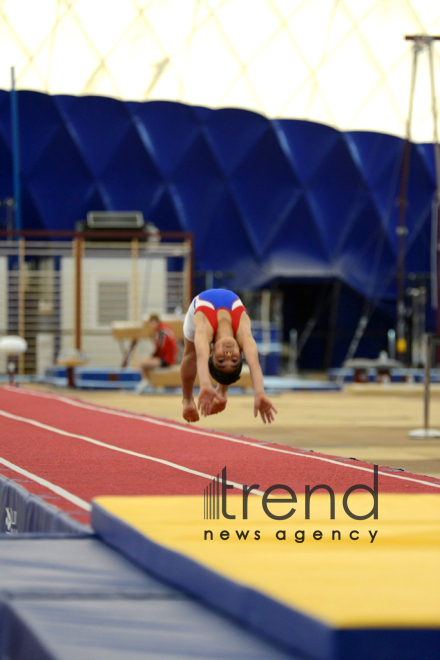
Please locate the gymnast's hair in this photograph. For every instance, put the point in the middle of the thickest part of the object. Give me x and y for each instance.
(223, 377)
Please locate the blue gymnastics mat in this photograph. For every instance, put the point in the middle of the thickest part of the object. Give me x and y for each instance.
(70, 599)
(78, 568)
(106, 378)
(126, 630)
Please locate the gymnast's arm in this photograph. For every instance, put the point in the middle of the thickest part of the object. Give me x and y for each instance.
(188, 370)
(202, 341)
(262, 403)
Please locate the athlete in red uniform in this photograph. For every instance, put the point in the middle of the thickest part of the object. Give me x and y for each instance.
(165, 352)
(218, 317)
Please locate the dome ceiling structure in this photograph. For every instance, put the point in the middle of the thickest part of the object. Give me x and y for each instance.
(343, 63)
(276, 123)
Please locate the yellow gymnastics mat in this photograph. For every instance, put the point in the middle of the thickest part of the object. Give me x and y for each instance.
(326, 589)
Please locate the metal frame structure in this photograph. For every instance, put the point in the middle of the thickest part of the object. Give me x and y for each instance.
(421, 42)
(51, 284)
(431, 341)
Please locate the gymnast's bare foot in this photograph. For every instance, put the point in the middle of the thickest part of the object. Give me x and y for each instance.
(190, 413)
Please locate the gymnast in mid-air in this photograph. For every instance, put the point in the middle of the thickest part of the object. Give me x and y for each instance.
(217, 330)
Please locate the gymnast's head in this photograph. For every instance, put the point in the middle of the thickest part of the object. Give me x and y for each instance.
(225, 362)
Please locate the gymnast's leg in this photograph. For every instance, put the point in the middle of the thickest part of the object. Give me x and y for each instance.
(188, 373)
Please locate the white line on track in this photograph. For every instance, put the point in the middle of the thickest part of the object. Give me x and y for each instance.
(93, 441)
(47, 484)
(210, 434)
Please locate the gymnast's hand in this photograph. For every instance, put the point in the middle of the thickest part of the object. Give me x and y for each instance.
(217, 406)
(208, 397)
(265, 407)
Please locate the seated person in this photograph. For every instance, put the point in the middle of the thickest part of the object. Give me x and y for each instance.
(165, 352)
(216, 330)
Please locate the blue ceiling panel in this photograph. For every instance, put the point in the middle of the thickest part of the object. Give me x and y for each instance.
(338, 191)
(199, 184)
(367, 257)
(97, 125)
(39, 125)
(379, 160)
(166, 130)
(421, 181)
(227, 246)
(5, 117)
(131, 178)
(164, 213)
(36, 218)
(264, 185)
(426, 154)
(301, 229)
(375, 155)
(5, 166)
(60, 182)
(305, 144)
(232, 133)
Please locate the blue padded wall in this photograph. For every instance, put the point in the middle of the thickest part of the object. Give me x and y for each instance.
(266, 199)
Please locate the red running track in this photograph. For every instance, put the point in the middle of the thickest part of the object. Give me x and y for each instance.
(69, 452)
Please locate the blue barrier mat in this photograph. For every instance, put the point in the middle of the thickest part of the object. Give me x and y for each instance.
(85, 567)
(126, 630)
(66, 599)
(23, 512)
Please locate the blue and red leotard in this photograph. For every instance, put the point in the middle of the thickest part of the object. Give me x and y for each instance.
(209, 302)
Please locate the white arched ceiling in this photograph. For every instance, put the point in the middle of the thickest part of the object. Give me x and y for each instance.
(344, 63)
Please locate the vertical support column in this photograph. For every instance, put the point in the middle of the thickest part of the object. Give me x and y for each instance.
(78, 248)
(135, 292)
(21, 297)
(436, 219)
(401, 229)
(135, 278)
(426, 432)
(421, 42)
(293, 354)
(15, 132)
(427, 387)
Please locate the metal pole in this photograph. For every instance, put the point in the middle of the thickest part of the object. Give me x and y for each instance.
(421, 41)
(427, 383)
(134, 277)
(426, 432)
(401, 229)
(391, 344)
(21, 298)
(437, 169)
(78, 249)
(15, 153)
(293, 342)
(435, 219)
(135, 289)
